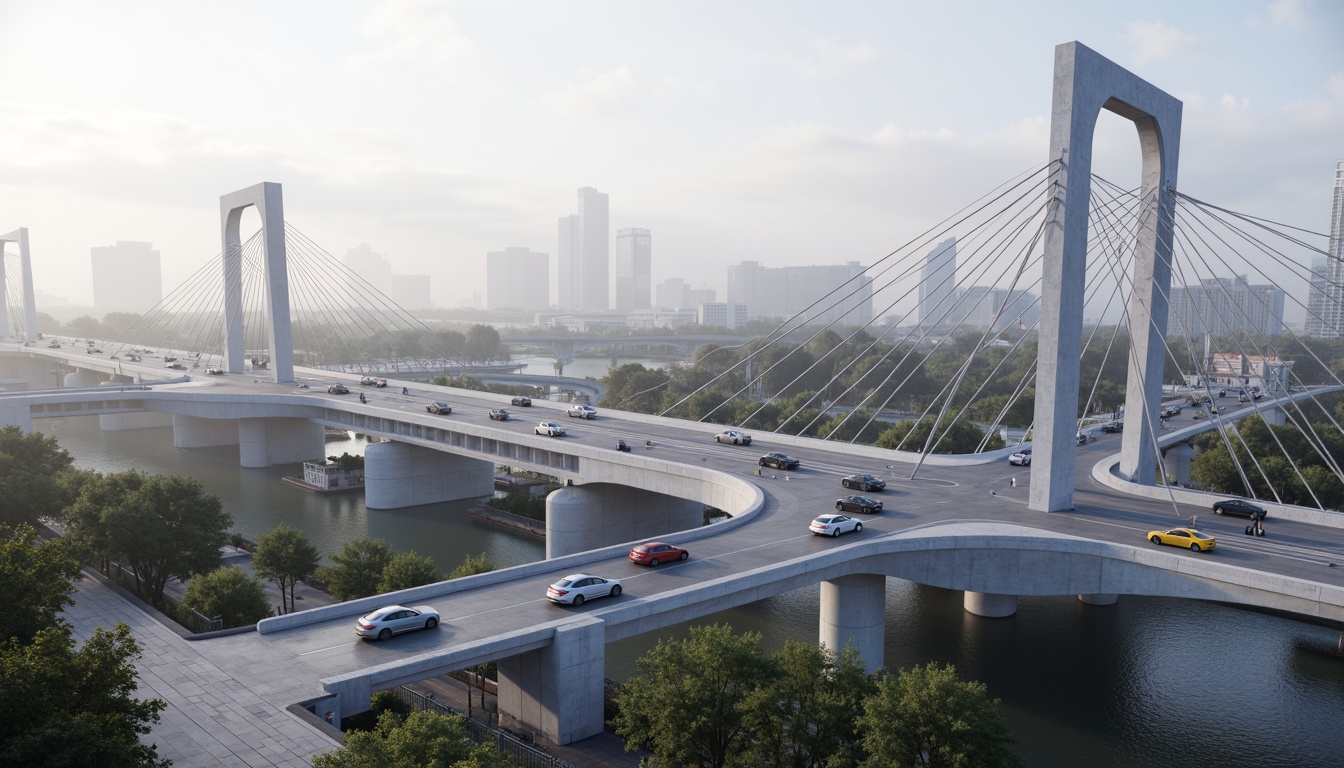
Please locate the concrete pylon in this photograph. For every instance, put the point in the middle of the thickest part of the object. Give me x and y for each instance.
(19, 236)
(1085, 84)
(267, 198)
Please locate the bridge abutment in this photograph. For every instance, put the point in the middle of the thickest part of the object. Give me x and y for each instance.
(853, 613)
(269, 441)
(196, 432)
(557, 690)
(121, 422)
(398, 475)
(584, 517)
(989, 605)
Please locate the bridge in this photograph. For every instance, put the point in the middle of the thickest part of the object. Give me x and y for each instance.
(563, 347)
(1073, 526)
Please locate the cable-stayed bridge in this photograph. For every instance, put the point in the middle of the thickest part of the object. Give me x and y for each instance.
(952, 521)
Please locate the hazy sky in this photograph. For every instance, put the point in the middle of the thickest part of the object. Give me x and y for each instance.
(784, 132)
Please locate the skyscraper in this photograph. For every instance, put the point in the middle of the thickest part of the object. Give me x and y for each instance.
(1328, 293)
(127, 277)
(585, 256)
(634, 262)
(405, 291)
(1222, 305)
(517, 278)
(937, 289)
(674, 293)
(822, 293)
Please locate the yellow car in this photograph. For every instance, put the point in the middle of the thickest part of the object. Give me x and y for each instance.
(1187, 538)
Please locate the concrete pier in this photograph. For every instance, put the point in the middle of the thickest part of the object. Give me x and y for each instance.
(270, 441)
(558, 689)
(584, 517)
(195, 432)
(989, 605)
(1103, 599)
(853, 613)
(398, 475)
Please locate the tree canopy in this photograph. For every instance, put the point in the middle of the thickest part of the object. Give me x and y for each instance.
(30, 467)
(229, 594)
(38, 578)
(406, 570)
(286, 557)
(413, 740)
(357, 569)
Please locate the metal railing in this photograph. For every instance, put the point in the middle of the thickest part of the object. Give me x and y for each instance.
(527, 755)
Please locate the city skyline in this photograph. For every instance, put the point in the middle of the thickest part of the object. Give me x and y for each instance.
(785, 134)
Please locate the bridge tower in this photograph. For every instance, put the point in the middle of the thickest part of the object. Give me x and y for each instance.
(19, 236)
(1086, 83)
(266, 197)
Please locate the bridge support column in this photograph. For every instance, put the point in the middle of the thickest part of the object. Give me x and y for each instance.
(400, 475)
(77, 379)
(557, 690)
(1176, 463)
(989, 605)
(1273, 416)
(195, 432)
(16, 415)
(121, 422)
(583, 517)
(1102, 599)
(267, 442)
(853, 613)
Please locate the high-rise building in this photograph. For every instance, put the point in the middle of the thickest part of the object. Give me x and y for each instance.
(938, 287)
(1327, 321)
(1223, 305)
(987, 307)
(722, 315)
(673, 293)
(820, 293)
(698, 296)
(1315, 325)
(634, 264)
(517, 278)
(405, 291)
(127, 277)
(585, 258)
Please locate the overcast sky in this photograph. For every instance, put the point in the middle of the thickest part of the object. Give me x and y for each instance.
(783, 132)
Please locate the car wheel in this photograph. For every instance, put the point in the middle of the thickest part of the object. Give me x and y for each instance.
(858, 527)
(616, 591)
(1027, 463)
(1217, 510)
(684, 555)
(839, 507)
(578, 600)
(835, 533)
(1156, 539)
(1194, 547)
(654, 561)
(717, 440)
(386, 633)
(431, 623)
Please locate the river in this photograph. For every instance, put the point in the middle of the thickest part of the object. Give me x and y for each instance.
(1146, 682)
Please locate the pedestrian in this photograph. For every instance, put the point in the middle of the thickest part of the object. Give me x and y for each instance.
(1260, 527)
(1194, 521)
(1012, 483)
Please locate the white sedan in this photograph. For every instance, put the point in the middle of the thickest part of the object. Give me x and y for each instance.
(577, 587)
(834, 525)
(549, 428)
(582, 411)
(394, 619)
(733, 436)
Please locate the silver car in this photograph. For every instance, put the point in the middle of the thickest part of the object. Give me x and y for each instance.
(395, 619)
(577, 587)
(549, 428)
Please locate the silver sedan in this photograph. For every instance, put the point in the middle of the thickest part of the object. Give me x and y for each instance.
(395, 619)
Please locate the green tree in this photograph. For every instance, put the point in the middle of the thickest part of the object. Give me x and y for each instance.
(955, 435)
(38, 578)
(482, 342)
(413, 741)
(30, 466)
(633, 387)
(927, 716)
(406, 570)
(357, 569)
(286, 557)
(472, 565)
(85, 326)
(687, 704)
(230, 594)
(163, 526)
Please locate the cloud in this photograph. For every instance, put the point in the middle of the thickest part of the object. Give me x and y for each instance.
(827, 56)
(1288, 13)
(1152, 40)
(410, 30)
(601, 94)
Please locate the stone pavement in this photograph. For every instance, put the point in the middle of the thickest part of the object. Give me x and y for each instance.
(211, 720)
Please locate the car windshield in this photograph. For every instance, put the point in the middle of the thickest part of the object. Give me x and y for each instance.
(564, 582)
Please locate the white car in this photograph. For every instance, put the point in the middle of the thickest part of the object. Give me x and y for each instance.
(582, 412)
(577, 587)
(549, 428)
(395, 619)
(1021, 459)
(733, 436)
(834, 525)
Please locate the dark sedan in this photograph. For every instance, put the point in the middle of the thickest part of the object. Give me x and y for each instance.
(521, 402)
(858, 504)
(1239, 507)
(439, 407)
(864, 483)
(778, 461)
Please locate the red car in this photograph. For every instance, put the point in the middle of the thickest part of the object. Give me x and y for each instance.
(656, 552)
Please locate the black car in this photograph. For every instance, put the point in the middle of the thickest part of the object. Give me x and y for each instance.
(499, 414)
(864, 483)
(1119, 426)
(778, 461)
(857, 504)
(1239, 507)
(439, 407)
(521, 402)
(338, 389)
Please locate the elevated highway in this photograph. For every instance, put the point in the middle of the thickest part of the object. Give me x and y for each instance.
(959, 525)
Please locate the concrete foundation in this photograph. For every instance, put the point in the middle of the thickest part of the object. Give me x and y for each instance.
(1098, 599)
(989, 605)
(557, 690)
(398, 475)
(1176, 463)
(271, 441)
(195, 432)
(853, 613)
(121, 422)
(584, 517)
